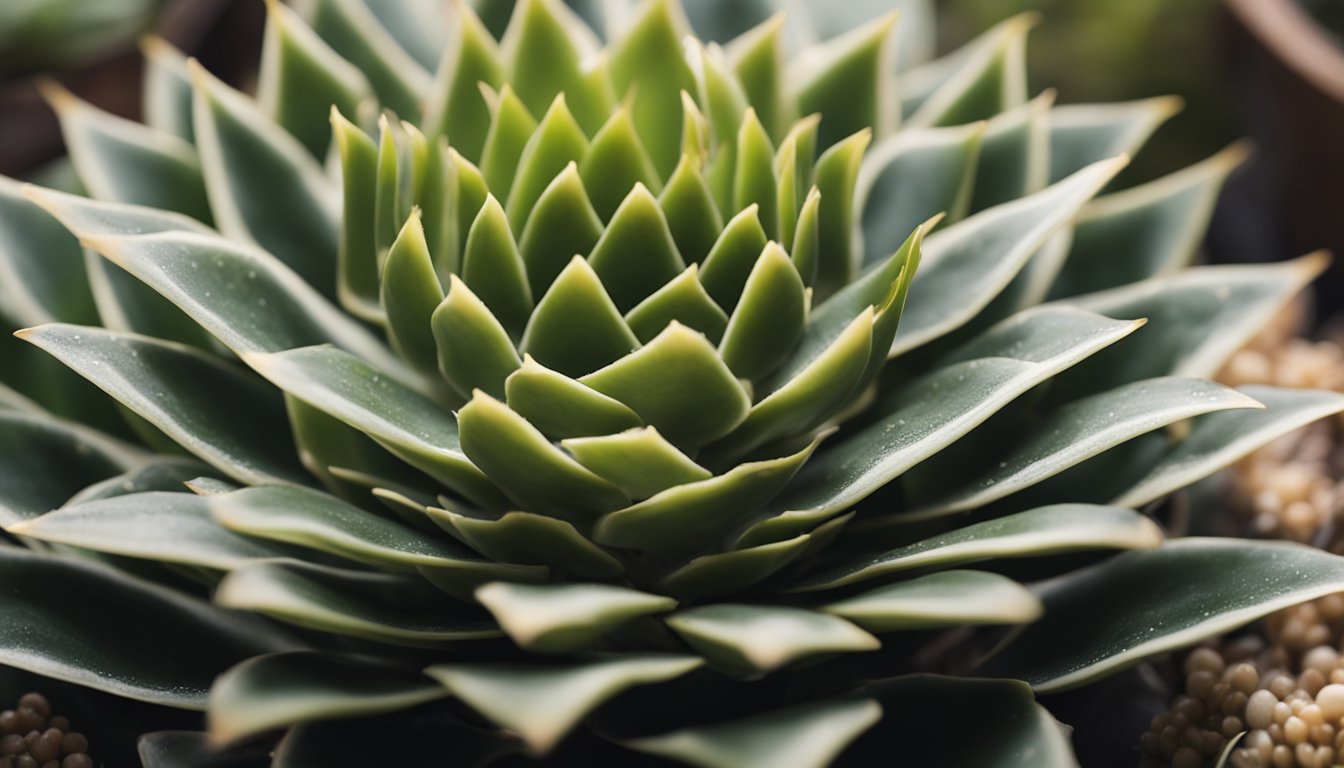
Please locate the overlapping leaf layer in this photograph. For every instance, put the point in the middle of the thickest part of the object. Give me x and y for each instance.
(577, 401)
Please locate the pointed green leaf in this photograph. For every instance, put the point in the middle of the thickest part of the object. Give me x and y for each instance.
(615, 162)
(1152, 229)
(562, 407)
(1014, 154)
(576, 327)
(769, 318)
(48, 461)
(1036, 532)
(557, 142)
(688, 517)
(263, 185)
(528, 539)
(167, 527)
(406, 423)
(649, 55)
(542, 703)
(351, 28)
(374, 606)
(302, 78)
(475, 351)
(966, 265)
(511, 125)
(410, 293)
(279, 690)
(326, 443)
(726, 573)
(561, 618)
(545, 50)
(753, 175)
(228, 418)
(684, 300)
(167, 98)
(639, 461)
(1085, 133)
(42, 276)
(636, 254)
(1127, 609)
(804, 736)
(357, 257)
(312, 519)
(563, 224)
(933, 412)
(836, 178)
(850, 80)
(725, 270)
(122, 161)
(758, 59)
(805, 252)
(677, 383)
(493, 268)
(990, 78)
(943, 599)
(531, 470)
(753, 640)
(455, 108)
(1074, 433)
(65, 618)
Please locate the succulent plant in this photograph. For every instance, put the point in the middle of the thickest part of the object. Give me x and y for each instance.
(666, 400)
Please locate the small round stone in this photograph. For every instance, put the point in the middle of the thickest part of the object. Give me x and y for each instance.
(12, 744)
(47, 746)
(36, 702)
(1331, 701)
(74, 742)
(1187, 757)
(1230, 726)
(1295, 730)
(1244, 678)
(1260, 709)
(1282, 757)
(60, 723)
(26, 761)
(1204, 659)
(1322, 658)
(80, 760)
(52, 764)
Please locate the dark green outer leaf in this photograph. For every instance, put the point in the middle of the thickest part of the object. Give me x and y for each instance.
(47, 461)
(88, 624)
(1139, 604)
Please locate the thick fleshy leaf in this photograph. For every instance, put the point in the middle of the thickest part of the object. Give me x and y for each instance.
(167, 98)
(753, 172)
(382, 607)
(989, 77)
(725, 270)
(1042, 531)
(910, 177)
(511, 126)
(193, 749)
(352, 29)
(560, 618)
(357, 255)
(168, 527)
(1126, 609)
(302, 78)
(639, 461)
(326, 444)
(557, 142)
(850, 80)
(576, 327)
(692, 215)
(42, 272)
(212, 408)
(264, 186)
(966, 265)
(769, 318)
(67, 618)
(930, 414)
(758, 59)
(545, 51)
(687, 517)
(615, 162)
(315, 520)
(455, 108)
(48, 460)
(836, 178)
(1197, 319)
(1219, 439)
(944, 599)
(563, 224)
(803, 736)
(636, 255)
(562, 407)
(752, 640)
(283, 689)
(528, 467)
(162, 473)
(650, 54)
(727, 573)
(1014, 154)
(409, 294)
(543, 702)
(924, 720)
(683, 299)
(530, 539)
(1085, 133)
(122, 161)
(493, 268)
(406, 423)
(677, 383)
(474, 348)
(1076, 432)
(1152, 229)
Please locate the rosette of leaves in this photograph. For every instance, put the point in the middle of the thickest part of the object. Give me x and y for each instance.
(534, 399)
